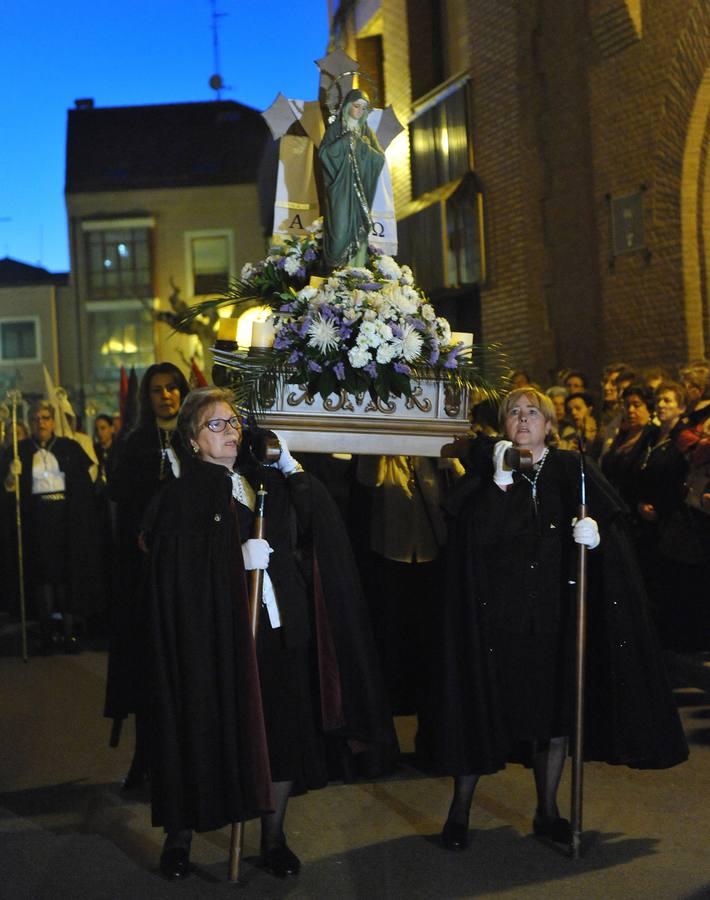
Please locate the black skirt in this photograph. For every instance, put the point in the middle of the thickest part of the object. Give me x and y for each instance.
(296, 744)
(48, 555)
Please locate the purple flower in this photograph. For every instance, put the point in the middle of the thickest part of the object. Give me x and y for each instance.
(370, 286)
(305, 325)
(286, 308)
(345, 332)
(309, 255)
(294, 357)
(434, 356)
(451, 362)
(396, 330)
(281, 263)
(282, 340)
(313, 366)
(402, 368)
(417, 324)
(300, 272)
(339, 369)
(371, 369)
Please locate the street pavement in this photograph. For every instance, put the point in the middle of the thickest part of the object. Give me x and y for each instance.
(67, 831)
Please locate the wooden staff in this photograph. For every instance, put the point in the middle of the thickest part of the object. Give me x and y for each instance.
(256, 586)
(580, 665)
(15, 397)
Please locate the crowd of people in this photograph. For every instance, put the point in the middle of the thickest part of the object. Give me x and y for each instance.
(258, 667)
(649, 431)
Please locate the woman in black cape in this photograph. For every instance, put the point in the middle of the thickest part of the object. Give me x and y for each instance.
(239, 727)
(507, 653)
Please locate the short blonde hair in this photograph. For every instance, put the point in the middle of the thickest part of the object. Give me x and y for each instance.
(537, 398)
(195, 404)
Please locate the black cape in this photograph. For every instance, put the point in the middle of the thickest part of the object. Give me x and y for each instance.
(83, 566)
(133, 481)
(630, 712)
(210, 761)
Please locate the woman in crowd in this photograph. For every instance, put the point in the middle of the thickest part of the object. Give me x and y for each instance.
(664, 517)
(580, 412)
(149, 458)
(508, 647)
(351, 159)
(621, 462)
(216, 759)
(104, 433)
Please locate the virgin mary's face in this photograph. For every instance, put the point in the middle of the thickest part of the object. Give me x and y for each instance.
(357, 109)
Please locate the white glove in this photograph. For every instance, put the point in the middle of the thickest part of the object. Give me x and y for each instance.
(586, 531)
(256, 553)
(286, 464)
(502, 475)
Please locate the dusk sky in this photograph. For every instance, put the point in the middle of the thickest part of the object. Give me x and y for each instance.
(128, 53)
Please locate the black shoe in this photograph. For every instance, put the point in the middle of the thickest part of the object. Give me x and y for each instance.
(558, 830)
(280, 861)
(454, 836)
(175, 862)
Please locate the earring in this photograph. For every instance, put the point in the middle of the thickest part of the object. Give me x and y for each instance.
(195, 448)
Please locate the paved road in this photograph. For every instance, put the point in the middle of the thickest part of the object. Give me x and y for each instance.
(67, 832)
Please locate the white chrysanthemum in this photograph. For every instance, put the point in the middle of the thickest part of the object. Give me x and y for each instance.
(307, 293)
(409, 346)
(388, 267)
(359, 357)
(444, 330)
(385, 353)
(427, 312)
(369, 315)
(292, 264)
(401, 299)
(407, 277)
(323, 334)
(369, 335)
(248, 272)
(351, 314)
(383, 329)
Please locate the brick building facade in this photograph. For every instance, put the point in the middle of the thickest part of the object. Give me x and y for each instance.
(579, 113)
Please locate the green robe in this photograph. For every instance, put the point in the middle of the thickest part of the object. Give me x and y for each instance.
(351, 162)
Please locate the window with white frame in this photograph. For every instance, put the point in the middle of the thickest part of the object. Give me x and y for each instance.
(19, 340)
(209, 261)
(118, 258)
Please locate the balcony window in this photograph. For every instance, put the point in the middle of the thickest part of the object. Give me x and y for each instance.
(209, 258)
(19, 340)
(119, 336)
(119, 264)
(439, 140)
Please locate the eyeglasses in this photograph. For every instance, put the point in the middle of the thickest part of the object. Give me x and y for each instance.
(218, 425)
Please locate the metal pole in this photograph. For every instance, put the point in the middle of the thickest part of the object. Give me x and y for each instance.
(580, 665)
(256, 585)
(15, 397)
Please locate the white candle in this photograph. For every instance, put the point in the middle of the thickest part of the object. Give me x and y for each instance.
(262, 334)
(462, 337)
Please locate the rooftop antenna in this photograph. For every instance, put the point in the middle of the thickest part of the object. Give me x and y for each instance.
(216, 82)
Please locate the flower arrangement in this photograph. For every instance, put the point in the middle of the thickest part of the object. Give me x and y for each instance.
(359, 330)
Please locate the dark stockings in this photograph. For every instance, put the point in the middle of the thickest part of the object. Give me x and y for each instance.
(272, 825)
(464, 786)
(548, 762)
